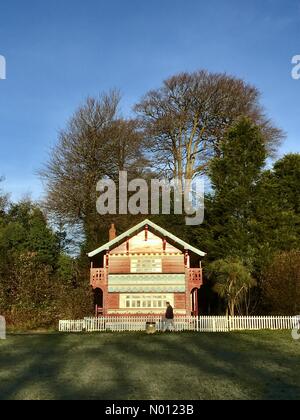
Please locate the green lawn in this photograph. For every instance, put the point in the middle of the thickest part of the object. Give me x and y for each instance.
(262, 365)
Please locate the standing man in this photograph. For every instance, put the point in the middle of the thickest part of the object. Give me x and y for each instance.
(169, 318)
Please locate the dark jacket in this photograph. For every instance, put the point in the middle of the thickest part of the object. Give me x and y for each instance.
(170, 313)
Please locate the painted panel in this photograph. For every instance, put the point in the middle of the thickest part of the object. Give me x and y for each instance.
(147, 283)
(138, 244)
(146, 264)
(122, 249)
(173, 264)
(119, 265)
(137, 279)
(146, 289)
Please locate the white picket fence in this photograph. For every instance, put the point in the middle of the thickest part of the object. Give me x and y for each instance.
(181, 323)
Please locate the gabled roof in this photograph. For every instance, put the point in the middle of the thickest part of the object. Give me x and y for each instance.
(112, 244)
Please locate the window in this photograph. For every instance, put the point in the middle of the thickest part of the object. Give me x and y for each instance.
(145, 301)
(146, 265)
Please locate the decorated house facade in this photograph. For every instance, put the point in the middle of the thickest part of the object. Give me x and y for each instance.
(137, 272)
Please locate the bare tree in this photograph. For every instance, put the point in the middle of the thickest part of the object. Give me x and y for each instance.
(96, 143)
(4, 199)
(185, 119)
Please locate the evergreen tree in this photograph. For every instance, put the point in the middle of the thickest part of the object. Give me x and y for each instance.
(227, 231)
(277, 210)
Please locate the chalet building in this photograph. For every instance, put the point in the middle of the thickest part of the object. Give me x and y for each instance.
(137, 272)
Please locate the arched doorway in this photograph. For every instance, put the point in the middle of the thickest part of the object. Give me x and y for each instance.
(98, 302)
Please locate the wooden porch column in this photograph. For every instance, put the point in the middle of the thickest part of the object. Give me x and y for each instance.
(105, 289)
(187, 283)
(146, 232)
(196, 300)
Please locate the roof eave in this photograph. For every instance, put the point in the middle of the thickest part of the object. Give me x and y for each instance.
(128, 233)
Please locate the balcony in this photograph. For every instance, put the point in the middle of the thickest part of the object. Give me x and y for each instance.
(195, 277)
(98, 278)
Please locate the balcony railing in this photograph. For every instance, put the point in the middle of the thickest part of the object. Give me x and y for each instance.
(98, 277)
(195, 276)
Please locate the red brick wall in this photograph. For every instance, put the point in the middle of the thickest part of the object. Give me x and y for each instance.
(113, 301)
(179, 301)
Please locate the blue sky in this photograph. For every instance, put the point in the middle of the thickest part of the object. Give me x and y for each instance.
(59, 52)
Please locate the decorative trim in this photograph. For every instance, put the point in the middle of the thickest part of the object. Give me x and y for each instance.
(147, 254)
(147, 278)
(157, 312)
(147, 283)
(146, 289)
(155, 228)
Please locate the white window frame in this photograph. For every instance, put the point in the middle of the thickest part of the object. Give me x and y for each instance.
(145, 301)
